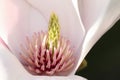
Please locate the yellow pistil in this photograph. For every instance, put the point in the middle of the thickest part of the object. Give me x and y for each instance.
(53, 31)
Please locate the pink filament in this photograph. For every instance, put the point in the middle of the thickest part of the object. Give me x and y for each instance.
(38, 59)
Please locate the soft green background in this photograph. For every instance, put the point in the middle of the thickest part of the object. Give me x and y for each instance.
(104, 58)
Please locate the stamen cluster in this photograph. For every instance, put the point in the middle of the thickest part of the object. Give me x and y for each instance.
(39, 59)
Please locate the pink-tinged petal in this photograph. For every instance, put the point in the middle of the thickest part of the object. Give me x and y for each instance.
(10, 67)
(18, 19)
(8, 17)
(29, 16)
(98, 16)
(3, 43)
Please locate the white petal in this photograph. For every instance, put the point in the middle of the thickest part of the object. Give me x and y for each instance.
(33, 16)
(10, 67)
(98, 17)
(92, 10)
(73, 77)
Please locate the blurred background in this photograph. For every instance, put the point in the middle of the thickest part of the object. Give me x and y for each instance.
(104, 58)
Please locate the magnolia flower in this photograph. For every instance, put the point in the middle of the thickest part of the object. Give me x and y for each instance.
(81, 22)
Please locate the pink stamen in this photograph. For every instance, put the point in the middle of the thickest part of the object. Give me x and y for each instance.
(40, 60)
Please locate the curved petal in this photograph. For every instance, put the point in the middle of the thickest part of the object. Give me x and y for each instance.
(98, 16)
(91, 11)
(28, 16)
(10, 67)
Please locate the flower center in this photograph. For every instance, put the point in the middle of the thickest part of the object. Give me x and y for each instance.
(47, 53)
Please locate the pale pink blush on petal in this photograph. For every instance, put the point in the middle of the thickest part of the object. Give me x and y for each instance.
(22, 23)
(3, 43)
(8, 18)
